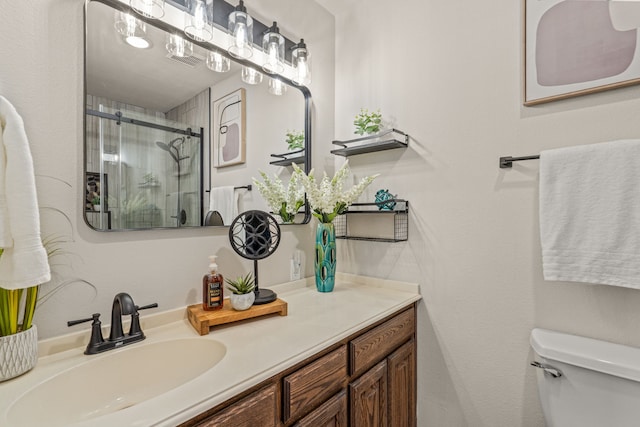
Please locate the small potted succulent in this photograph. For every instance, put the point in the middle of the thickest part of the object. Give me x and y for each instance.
(242, 296)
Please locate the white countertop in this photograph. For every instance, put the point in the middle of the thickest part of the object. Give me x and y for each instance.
(263, 347)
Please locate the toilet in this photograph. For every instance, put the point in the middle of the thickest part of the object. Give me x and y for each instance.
(583, 382)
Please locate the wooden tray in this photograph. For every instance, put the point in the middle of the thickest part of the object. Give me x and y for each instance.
(202, 320)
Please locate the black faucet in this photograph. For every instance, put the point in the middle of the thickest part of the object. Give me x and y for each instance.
(122, 305)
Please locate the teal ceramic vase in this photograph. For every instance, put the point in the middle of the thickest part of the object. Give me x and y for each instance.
(325, 262)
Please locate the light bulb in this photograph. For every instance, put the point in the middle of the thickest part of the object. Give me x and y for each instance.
(177, 46)
(273, 46)
(153, 9)
(276, 87)
(300, 60)
(132, 30)
(251, 76)
(217, 62)
(241, 28)
(197, 24)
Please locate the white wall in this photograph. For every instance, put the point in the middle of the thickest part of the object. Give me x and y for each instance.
(41, 73)
(450, 74)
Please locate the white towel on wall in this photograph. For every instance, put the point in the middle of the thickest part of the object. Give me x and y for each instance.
(225, 201)
(24, 261)
(590, 213)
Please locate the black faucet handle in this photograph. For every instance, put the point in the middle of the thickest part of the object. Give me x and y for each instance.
(94, 317)
(135, 319)
(144, 307)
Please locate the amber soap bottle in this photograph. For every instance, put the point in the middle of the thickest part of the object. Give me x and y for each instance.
(212, 287)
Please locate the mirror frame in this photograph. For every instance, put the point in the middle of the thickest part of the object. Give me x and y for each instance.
(117, 5)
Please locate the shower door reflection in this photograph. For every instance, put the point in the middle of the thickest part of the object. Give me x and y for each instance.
(152, 166)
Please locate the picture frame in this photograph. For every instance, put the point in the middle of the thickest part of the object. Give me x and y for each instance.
(229, 129)
(96, 187)
(574, 48)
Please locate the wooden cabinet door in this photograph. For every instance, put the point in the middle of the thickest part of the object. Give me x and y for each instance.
(369, 398)
(256, 410)
(333, 413)
(401, 366)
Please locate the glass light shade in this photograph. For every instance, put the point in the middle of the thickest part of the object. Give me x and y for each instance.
(300, 60)
(197, 25)
(273, 46)
(241, 29)
(132, 30)
(153, 9)
(276, 87)
(217, 62)
(177, 46)
(251, 76)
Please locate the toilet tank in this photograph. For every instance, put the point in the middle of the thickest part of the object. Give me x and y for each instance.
(599, 385)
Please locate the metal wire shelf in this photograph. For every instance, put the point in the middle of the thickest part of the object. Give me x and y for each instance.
(366, 221)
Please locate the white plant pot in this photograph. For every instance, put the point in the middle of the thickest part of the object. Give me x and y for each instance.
(18, 353)
(242, 302)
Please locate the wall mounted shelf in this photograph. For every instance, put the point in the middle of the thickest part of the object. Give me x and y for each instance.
(286, 159)
(385, 140)
(365, 221)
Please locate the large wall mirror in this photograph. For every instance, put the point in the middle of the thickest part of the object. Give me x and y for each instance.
(169, 143)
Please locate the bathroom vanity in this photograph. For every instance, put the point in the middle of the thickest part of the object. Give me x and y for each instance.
(342, 358)
(363, 380)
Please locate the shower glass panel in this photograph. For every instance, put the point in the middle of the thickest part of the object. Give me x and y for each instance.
(143, 171)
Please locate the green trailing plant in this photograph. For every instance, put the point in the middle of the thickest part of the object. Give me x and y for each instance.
(242, 285)
(95, 200)
(367, 122)
(295, 140)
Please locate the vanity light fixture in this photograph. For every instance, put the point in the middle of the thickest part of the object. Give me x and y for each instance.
(217, 62)
(273, 46)
(276, 87)
(153, 9)
(241, 29)
(198, 21)
(251, 76)
(177, 46)
(132, 30)
(301, 64)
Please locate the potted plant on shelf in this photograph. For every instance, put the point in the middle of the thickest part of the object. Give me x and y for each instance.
(367, 122)
(242, 295)
(295, 140)
(284, 202)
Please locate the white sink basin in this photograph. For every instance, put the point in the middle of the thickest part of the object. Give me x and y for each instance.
(114, 381)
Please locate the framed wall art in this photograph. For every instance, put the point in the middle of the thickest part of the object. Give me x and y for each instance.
(577, 47)
(229, 129)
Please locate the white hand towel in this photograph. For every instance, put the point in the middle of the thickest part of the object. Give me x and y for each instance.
(225, 201)
(24, 261)
(590, 213)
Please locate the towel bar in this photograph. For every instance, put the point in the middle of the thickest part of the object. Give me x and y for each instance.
(507, 162)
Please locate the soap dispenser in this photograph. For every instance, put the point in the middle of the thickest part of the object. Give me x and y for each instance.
(212, 287)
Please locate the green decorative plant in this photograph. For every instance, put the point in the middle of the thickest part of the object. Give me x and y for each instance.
(95, 200)
(12, 319)
(295, 140)
(367, 122)
(242, 285)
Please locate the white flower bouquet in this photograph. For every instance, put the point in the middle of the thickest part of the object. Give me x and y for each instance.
(284, 202)
(328, 198)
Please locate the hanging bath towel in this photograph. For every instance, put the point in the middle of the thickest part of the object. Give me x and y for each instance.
(24, 261)
(590, 213)
(224, 200)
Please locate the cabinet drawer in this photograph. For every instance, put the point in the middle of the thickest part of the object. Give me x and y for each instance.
(313, 384)
(371, 347)
(256, 410)
(332, 413)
